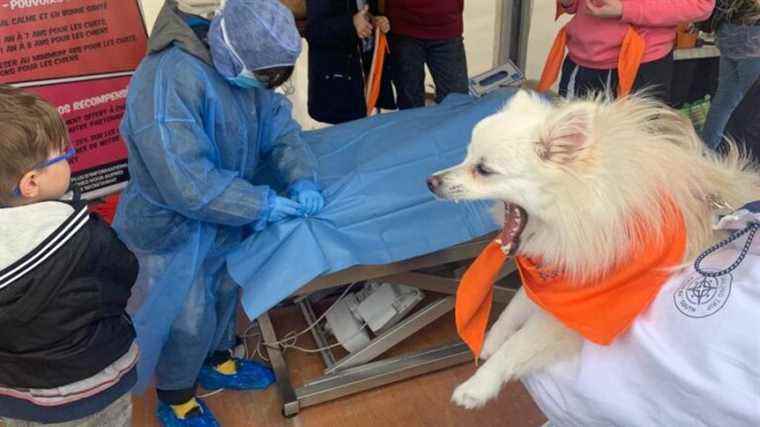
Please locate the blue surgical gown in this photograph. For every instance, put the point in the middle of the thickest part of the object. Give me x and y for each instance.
(195, 144)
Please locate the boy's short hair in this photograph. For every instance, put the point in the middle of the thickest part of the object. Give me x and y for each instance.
(30, 130)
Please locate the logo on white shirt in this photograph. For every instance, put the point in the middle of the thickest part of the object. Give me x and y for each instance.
(700, 296)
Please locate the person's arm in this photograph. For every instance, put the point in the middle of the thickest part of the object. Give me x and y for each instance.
(324, 29)
(182, 161)
(189, 181)
(657, 13)
(283, 145)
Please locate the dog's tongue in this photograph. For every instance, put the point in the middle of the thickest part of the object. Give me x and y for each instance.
(515, 218)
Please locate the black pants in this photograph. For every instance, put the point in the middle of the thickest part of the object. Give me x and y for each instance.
(445, 59)
(657, 76)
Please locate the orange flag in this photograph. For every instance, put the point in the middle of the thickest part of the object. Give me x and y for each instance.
(375, 77)
(629, 61)
(553, 64)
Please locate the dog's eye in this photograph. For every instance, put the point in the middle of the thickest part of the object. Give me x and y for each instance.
(483, 170)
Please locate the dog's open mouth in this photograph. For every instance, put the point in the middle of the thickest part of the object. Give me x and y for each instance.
(515, 219)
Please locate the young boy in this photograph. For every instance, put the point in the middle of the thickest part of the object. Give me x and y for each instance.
(67, 351)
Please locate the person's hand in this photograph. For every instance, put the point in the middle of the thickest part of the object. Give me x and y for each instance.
(311, 201)
(605, 8)
(362, 23)
(382, 22)
(283, 208)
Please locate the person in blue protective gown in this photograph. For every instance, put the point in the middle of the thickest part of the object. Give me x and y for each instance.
(202, 119)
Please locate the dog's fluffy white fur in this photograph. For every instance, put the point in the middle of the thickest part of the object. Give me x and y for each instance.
(582, 169)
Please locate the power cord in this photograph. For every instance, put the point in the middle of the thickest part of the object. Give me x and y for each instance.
(289, 341)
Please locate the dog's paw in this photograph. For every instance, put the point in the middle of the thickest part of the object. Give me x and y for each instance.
(475, 392)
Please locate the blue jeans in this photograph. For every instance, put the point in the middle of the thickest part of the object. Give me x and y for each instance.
(447, 63)
(735, 78)
(206, 324)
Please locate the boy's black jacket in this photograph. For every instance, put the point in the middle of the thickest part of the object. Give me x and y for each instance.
(65, 279)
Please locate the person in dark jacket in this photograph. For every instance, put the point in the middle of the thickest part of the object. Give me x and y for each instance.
(67, 350)
(341, 37)
(744, 124)
(427, 32)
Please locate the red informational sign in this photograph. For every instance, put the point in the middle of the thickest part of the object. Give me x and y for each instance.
(53, 39)
(78, 55)
(93, 110)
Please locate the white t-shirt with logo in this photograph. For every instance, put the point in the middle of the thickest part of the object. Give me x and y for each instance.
(692, 359)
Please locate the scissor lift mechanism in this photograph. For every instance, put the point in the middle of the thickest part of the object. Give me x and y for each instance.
(360, 371)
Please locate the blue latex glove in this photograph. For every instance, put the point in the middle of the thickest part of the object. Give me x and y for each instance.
(307, 194)
(311, 201)
(282, 208)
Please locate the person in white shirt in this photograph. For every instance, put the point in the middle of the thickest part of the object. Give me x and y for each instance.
(691, 359)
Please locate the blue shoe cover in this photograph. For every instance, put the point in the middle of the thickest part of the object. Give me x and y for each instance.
(250, 376)
(168, 418)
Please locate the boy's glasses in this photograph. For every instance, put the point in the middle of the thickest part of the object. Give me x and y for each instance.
(70, 152)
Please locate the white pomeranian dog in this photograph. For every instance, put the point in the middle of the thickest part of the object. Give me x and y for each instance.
(578, 171)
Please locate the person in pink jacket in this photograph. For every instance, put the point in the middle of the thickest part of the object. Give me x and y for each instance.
(596, 32)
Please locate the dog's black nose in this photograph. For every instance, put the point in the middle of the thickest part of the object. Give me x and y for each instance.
(433, 183)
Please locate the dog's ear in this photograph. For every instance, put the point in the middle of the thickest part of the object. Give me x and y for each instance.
(566, 134)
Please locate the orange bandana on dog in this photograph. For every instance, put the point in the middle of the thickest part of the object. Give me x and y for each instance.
(599, 312)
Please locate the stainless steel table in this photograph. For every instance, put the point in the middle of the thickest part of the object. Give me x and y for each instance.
(363, 370)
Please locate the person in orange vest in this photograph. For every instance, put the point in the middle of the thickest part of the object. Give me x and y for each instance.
(635, 36)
